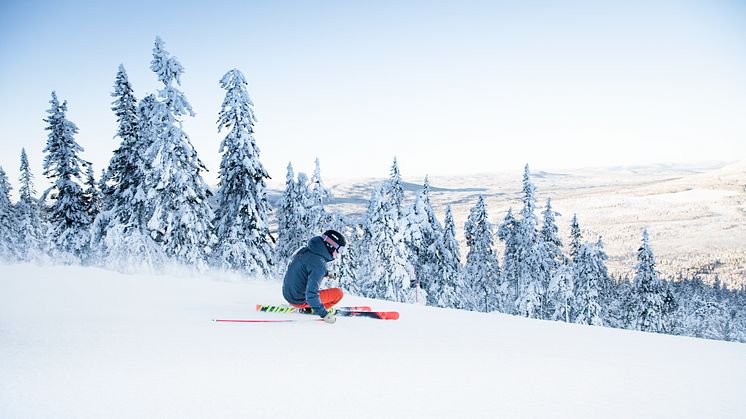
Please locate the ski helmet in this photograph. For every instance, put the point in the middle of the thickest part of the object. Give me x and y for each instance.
(333, 240)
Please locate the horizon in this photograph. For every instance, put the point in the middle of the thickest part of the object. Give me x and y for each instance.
(559, 87)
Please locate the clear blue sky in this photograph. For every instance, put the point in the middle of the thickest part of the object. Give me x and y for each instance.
(447, 87)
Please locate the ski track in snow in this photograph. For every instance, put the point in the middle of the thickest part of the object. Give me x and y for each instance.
(90, 343)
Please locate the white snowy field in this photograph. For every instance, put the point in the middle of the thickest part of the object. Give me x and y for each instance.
(90, 343)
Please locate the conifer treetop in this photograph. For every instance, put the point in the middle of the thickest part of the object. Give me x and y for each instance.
(167, 68)
(27, 191)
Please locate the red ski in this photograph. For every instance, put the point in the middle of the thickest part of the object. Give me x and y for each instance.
(382, 315)
(353, 311)
(291, 309)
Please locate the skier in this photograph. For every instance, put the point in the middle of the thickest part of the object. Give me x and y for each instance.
(306, 271)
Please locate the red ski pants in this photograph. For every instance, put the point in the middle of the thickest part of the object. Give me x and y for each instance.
(329, 298)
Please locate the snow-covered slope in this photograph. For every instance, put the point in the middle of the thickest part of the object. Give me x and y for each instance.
(89, 343)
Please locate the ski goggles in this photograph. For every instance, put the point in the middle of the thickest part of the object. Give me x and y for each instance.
(337, 248)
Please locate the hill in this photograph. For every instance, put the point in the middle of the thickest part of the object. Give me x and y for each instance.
(90, 343)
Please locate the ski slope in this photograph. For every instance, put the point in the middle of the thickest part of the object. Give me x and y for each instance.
(90, 343)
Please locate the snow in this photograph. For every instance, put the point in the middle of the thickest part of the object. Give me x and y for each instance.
(89, 343)
(696, 196)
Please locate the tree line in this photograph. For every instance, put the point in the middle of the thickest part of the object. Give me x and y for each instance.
(151, 206)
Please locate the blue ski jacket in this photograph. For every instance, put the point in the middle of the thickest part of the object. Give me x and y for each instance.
(304, 275)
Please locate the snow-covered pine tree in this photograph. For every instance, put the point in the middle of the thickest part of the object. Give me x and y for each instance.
(9, 245)
(386, 270)
(685, 290)
(429, 268)
(508, 233)
(91, 194)
(308, 211)
(291, 234)
(561, 293)
(708, 313)
(366, 281)
(123, 164)
(589, 270)
(320, 192)
(550, 235)
(182, 219)
(671, 324)
(627, 303)
(433, 234)
(530, 256)
(421, 232)
(242, 215)
(121, 229)
(482, 269)
(432, 219)
(347, 265)
(31, 231)
(414, 229)
(68, 217)
(553, 257)
(394, 190)
(576, 239)
(736, 315)
(612, 304)
(448, 285)
(120, 233)
(649, 290)
(320, 195)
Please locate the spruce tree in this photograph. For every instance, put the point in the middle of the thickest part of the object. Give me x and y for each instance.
(551, 256)
(433, 235)
(432, 219)
(447, 287)
(181, 221)
(290, 231)
(575, 237)
(394, 190)
(68, 216)
(308, 209)
(482, 269)
(121, 234)
(706, 313)
(421, 231)
(671, 324)
(589, 271)
(612, 304)
(649, 290)
(386, 271)
(9, 246)
(530, 256)
(508, 233)
(561, 293)
(121, 229)
(319, 195)
(31, 231)
(91, 194)
(126, 161)
(347, 264)
(550, 235)
(414, 229)
(242, 215)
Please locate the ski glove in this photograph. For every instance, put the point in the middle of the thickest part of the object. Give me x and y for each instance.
(330, 318)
